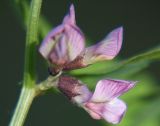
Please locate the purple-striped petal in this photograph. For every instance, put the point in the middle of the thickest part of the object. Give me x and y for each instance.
(107, 49)
(64, 43)
(106, 90)
(95, 110)
(70, 44)
(114, 111)
(50, 41)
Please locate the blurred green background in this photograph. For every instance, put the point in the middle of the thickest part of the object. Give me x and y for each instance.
(141, 22)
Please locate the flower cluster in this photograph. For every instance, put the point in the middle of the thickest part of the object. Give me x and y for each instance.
(64, 49)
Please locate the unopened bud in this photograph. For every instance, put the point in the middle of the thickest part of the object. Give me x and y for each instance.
(75, 90)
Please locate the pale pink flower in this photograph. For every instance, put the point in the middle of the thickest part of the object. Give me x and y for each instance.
(64, 46)
(64, 43)
(103, 103)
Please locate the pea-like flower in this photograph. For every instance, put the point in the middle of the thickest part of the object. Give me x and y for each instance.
(103, 103)
(64, 46)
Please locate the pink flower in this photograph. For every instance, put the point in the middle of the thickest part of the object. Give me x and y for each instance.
(64, 46)
(103, 103)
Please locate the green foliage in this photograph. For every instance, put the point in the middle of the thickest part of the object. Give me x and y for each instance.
(142, 102)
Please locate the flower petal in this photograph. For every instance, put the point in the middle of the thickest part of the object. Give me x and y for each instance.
(94, 115)
(84, 94)
(76, 42)
(94, 109)
(109, 89)
(64, 43)
(49, 41)
(58, 54)
(70, 18)
(114, 111)
(107, 49)
(69, 46)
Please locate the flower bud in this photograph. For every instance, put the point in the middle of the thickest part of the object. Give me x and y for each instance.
(75, 90)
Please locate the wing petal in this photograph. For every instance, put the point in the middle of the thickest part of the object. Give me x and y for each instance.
(106, 90)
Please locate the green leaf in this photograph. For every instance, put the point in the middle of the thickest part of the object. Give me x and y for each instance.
(95, 69)
(148, 56)
(123, 73)
(149, 114)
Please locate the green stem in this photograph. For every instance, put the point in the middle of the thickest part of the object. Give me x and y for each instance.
(27, 96)
(28, 91)
(31, 41)
(24, 103)
(22, 7)
(50, 82)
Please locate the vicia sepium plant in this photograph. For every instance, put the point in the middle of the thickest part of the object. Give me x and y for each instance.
(64, 49)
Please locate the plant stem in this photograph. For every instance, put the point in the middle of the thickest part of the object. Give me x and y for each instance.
(24, 103)
(29, 80)
(31, 42)
(50, 82)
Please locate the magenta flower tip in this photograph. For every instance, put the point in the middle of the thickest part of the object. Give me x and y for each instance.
(119, 33)
(70, 17)
(72, 10)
